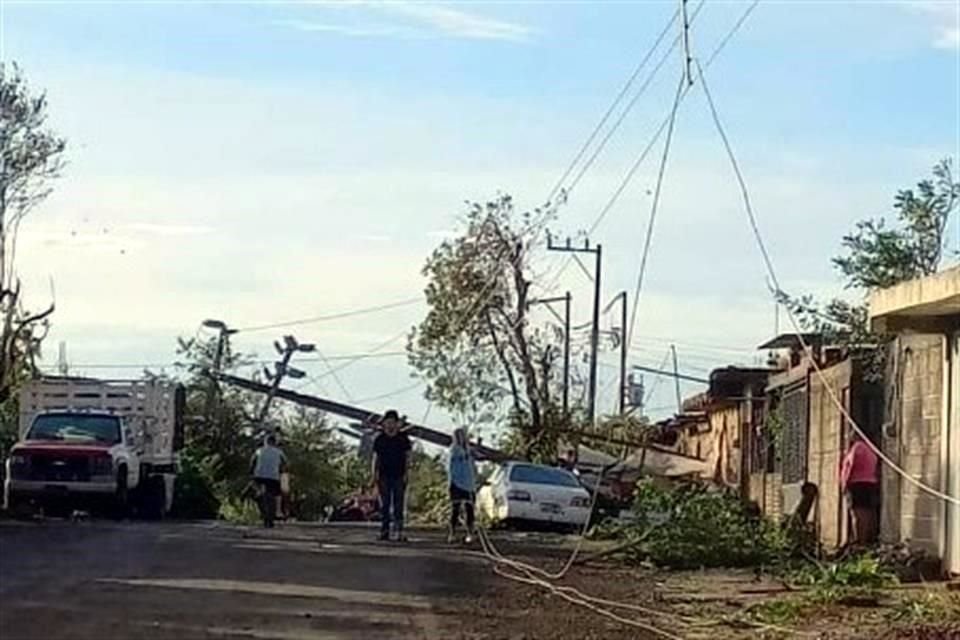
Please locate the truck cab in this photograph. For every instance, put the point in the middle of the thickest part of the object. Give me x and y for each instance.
(94, 444)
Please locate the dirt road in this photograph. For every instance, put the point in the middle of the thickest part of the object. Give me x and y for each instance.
(152, 581)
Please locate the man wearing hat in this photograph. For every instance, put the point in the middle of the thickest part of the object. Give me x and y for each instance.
(391, 450)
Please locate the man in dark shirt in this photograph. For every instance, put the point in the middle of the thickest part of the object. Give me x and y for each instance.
(391, 461)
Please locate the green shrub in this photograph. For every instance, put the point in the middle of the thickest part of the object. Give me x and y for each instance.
(194, 496)
(239, 511)
(862, 571)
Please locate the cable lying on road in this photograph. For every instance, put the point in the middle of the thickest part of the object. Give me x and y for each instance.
(568, 593)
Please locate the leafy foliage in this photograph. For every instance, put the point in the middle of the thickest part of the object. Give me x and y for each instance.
(220, 443)
(476, 347)
(865, 571)
(926, 607)
(428, 497)
(692, 527)
(31, 156)
(877, 256)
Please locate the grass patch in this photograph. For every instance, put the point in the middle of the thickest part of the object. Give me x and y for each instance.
(929, 607)
(781, 611)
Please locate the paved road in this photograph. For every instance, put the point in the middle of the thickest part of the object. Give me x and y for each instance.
(63, 580)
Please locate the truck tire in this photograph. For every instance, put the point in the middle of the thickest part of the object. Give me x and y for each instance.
(121, 497)
(153, 498)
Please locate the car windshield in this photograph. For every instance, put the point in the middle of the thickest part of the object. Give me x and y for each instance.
(103, 429)
(543, 475)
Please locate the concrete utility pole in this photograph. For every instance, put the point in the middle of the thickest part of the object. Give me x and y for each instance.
(282, 368)
(688, 59)
(565, 320)
(676, 377)
(597, 251)
(223, 333)
(622, 297)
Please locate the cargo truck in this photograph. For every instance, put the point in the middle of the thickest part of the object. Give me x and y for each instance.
(87, 444)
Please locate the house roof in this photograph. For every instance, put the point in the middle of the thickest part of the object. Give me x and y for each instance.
(918, 300)
(662, 462)
(792, 341)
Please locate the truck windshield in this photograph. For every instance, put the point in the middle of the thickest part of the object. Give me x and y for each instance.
(84, 428)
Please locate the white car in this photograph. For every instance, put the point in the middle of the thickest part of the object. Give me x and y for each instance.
(523, 492)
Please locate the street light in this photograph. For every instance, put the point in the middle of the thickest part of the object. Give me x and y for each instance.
(223, 331)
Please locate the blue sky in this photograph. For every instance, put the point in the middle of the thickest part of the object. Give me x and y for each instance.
(270, 161)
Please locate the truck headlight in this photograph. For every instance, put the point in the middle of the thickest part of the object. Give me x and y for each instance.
(19, 461)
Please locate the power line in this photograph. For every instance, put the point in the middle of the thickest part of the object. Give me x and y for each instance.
(654, 207)
(616, 101)
(390, 394)
(631, 172)
(335, 316)
(159, 365)
(771, 271)
(331, 371)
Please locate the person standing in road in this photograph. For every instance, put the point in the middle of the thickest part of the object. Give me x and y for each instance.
(266, 466)
(860, 480)
(460, 470)
(391, 464)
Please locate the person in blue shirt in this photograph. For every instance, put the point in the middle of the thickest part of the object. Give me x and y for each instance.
(460, 470)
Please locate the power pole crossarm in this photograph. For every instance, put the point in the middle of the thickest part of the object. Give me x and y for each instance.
(597, 251)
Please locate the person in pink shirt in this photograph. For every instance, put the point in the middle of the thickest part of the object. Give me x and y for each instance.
(860, 480)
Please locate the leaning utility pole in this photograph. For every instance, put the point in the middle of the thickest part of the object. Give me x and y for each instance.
(566, 300)
(282, 368)
(597, 251)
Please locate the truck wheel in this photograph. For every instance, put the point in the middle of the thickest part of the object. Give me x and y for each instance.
(121, 497)
(153, 499)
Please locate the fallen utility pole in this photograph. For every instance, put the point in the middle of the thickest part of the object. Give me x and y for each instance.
(355, 413)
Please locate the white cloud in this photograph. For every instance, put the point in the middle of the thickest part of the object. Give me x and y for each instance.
(426, 20)
(149, 228)
(460, 24)
(944, 14)
(354, 31)
(949, 38)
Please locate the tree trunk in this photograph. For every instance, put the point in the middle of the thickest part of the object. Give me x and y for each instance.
(502, 356)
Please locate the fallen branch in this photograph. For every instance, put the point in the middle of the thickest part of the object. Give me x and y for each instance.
(614, 550)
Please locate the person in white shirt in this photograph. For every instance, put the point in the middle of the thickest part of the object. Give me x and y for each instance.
(267, 464)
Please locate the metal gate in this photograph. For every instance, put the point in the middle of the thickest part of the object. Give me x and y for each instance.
(793, 458)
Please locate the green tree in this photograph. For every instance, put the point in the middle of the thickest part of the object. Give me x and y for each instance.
(877, 255)
(477, 348)
(220, 442)
(316, 462)
(31, 156)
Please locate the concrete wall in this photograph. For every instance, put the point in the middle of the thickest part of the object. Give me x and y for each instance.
(765, 491)
(825, 450)
(913, 438)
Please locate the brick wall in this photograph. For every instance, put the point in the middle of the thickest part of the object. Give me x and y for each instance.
(912, 438)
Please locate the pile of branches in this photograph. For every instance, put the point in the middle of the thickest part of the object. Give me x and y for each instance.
(695, 526)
